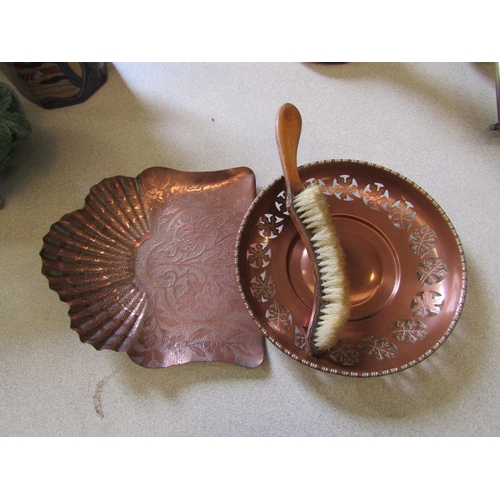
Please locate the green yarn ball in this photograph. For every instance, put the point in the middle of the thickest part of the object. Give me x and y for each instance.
(14, 127)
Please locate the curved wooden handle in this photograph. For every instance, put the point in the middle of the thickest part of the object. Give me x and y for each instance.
(288, 129)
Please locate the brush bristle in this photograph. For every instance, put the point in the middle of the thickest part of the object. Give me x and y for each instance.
(313, 210)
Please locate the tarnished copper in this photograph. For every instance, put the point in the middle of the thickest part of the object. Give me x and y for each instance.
(405, 264)
(147, 267)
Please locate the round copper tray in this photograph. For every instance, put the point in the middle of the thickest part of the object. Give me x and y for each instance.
(405, 264)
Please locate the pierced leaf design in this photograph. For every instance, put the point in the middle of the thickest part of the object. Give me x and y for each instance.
(344, 353)
(300, 338)
(315, 180)
(259, 255)
(346, 188)
(409, 330)
(262, 287)
(422, 240)
(376, 197)
(279, 317)
(428, 303)
(280, 203)
(379, 347)
(401, 214)
(432, 271)
(270, 226)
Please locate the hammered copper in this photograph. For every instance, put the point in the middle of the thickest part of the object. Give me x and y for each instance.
(147, 267)
(405, 264)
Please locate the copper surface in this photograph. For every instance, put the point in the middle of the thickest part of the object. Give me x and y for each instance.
(405, 264)
(147, 267)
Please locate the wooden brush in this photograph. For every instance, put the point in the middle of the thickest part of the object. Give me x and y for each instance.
(309, 211)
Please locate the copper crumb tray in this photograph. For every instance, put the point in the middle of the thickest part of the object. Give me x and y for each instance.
(147, 267)
(405, 264)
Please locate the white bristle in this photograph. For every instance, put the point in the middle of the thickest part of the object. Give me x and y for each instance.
(313, 210)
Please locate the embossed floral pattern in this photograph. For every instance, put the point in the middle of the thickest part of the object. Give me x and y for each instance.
(155, 195)
(228, 348)
(186, 273)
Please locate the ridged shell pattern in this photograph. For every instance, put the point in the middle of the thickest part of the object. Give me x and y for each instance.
(88, 258)
(136, 263)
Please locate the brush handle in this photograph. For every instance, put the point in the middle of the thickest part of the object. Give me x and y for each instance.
(288, 129)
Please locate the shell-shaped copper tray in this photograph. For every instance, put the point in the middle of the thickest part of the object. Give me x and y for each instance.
(147, 267)
(405, 264)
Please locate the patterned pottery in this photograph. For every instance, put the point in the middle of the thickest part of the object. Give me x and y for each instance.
(56, 85)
